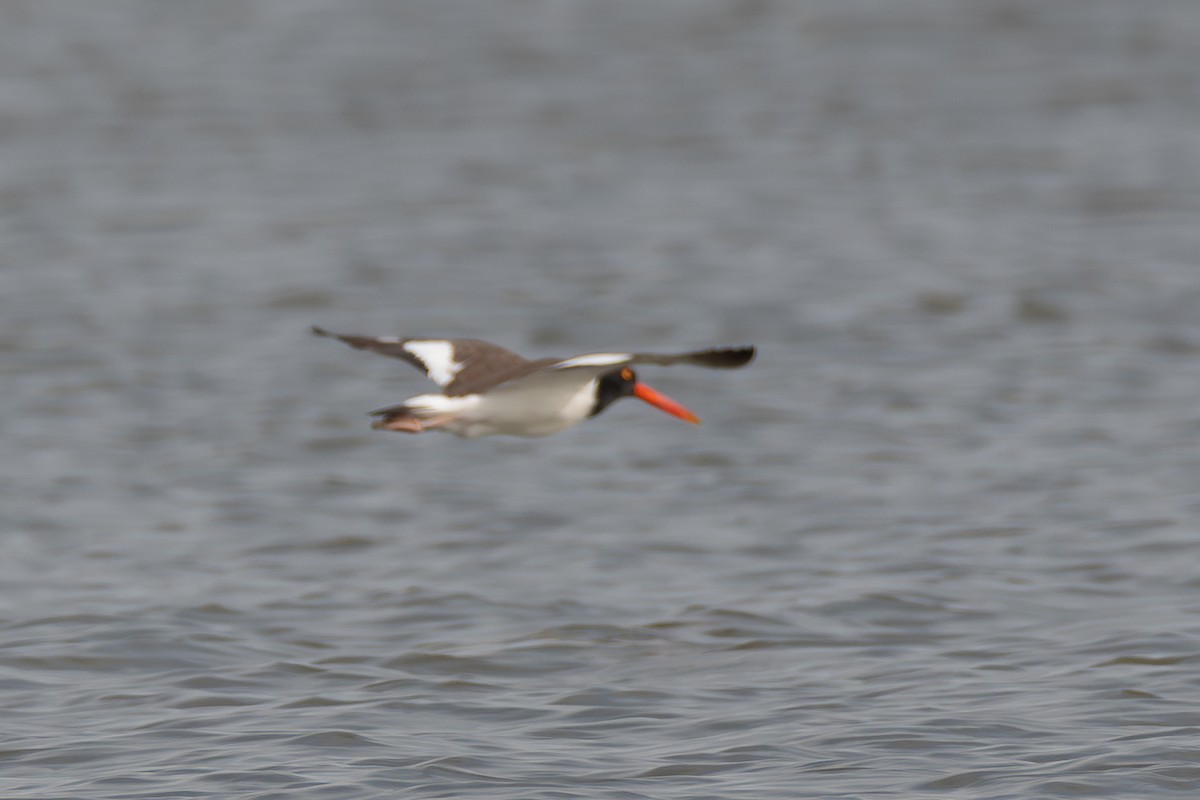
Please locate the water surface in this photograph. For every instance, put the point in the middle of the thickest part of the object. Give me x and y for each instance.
(938, 541)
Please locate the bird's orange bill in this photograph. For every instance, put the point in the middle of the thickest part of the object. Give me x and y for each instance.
(659, 400)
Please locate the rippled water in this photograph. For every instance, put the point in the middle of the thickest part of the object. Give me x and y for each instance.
(940, 540)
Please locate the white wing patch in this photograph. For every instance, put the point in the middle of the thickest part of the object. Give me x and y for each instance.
(594, 360)
(438, 357)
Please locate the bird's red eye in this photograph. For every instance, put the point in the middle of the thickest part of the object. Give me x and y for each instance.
(627, 374)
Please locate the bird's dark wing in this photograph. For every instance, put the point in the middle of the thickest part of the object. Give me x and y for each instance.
(459, 366)
(713, 358)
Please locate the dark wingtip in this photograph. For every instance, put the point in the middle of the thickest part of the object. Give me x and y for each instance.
(729, 357)
(319, 331)
(745, 355)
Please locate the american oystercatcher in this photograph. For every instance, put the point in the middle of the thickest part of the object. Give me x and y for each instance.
(488, 390)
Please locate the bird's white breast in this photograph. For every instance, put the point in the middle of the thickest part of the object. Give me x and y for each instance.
(526, 411)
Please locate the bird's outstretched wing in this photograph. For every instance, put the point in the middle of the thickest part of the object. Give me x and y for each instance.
(713, 358)
(459, 366)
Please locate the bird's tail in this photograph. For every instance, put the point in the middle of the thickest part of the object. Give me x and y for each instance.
(398, 418)
(413, 418)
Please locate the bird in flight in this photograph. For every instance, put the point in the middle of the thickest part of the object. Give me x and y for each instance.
(488, 390)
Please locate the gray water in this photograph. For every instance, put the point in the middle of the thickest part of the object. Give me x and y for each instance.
(940, 540)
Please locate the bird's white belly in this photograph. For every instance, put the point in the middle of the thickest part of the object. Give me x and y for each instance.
(525, 413)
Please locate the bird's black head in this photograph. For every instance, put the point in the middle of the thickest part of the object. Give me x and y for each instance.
(623, 382)
(612, 386)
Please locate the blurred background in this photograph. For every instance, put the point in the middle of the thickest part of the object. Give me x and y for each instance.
(939, 540)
